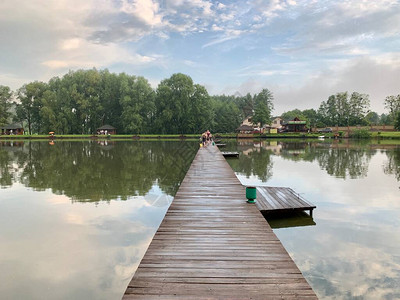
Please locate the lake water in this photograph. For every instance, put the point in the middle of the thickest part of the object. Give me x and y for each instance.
(77, 217)
(353, 250)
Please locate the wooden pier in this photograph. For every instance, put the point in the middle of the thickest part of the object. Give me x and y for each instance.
(281, 199)
(212, 244)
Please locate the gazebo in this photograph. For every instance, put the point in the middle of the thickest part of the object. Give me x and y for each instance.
(106, 129)
(12, 129)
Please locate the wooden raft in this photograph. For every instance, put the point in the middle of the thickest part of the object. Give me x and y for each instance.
(281, 199)
(212, 244)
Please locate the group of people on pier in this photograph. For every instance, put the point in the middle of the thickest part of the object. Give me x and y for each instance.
(206, 138)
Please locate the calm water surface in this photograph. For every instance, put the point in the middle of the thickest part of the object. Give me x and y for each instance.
(77, 217)
(351, 248)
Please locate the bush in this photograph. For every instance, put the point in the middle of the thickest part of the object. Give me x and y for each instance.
(360, 134)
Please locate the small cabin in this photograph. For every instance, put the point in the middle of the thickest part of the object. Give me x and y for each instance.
(106, 129)
(12, 129)
(296, 125)
(245, 129)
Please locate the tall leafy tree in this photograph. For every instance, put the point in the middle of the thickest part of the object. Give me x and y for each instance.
(358, 108)
(392, 104)
(311, 116)
(263, 107)
(372, 118)
(137, 104)
(227, 114)
(181, 106)
(28, 109)
(397, 121)
(344, 110)
(5, 104)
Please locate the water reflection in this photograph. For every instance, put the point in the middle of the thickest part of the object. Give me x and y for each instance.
(63, 232)
(353, 250)
(393, 164)
(337, 158)
(296, 219)
(256, 160)
(88, 171)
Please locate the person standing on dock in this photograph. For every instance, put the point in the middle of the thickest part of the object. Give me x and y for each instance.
(204, 138)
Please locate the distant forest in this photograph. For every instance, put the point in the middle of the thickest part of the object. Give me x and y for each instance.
(81, 101)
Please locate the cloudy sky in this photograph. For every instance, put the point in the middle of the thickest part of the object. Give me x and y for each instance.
(303, 51)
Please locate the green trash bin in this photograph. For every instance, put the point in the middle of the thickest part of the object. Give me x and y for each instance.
(251, 194)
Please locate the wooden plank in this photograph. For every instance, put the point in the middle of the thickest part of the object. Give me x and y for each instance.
(212, 244)
(280, 199)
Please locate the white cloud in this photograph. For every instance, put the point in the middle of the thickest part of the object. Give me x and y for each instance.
(147, 10)
(70, 44)
(94, 55)
(221, 6)
(361, 7)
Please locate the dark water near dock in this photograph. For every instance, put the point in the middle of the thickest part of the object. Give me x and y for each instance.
(351, 247)
(77, 217)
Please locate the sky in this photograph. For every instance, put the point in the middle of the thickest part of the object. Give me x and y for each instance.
(302, 51)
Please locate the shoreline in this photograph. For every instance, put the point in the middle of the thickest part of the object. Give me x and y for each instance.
(374, 135)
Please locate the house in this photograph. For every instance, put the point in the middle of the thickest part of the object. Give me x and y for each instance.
(277, 123)
(12, 129)
(295, 125)
(106, 129)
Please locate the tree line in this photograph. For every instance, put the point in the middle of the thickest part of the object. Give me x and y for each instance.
(81, 101)
(345, 109)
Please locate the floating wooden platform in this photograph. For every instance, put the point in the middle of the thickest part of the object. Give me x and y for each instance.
(281, 199)
(212, 244)
(230, 154)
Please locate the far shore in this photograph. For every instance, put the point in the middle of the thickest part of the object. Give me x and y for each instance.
(378, 135)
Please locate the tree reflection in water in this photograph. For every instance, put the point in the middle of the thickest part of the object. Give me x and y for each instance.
(92, 171)
(393, 165)
(255, 161)
(342, 160)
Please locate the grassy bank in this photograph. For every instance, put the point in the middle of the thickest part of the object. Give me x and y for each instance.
(386, 135)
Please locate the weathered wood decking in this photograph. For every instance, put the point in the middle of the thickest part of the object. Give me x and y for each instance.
(281, 199)
(212, 244)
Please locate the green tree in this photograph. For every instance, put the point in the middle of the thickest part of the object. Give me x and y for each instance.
(181, 106)
(342, 110)
(5, 104)
(392, 103)
(30, 102)
(47, 113)
(137, 102)
(263, 107)
(245, 104)
(311, 116)
(384, 119)
(372, 118)
(358, 108)
(291, 114)
(227, 115)
(397, 121)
